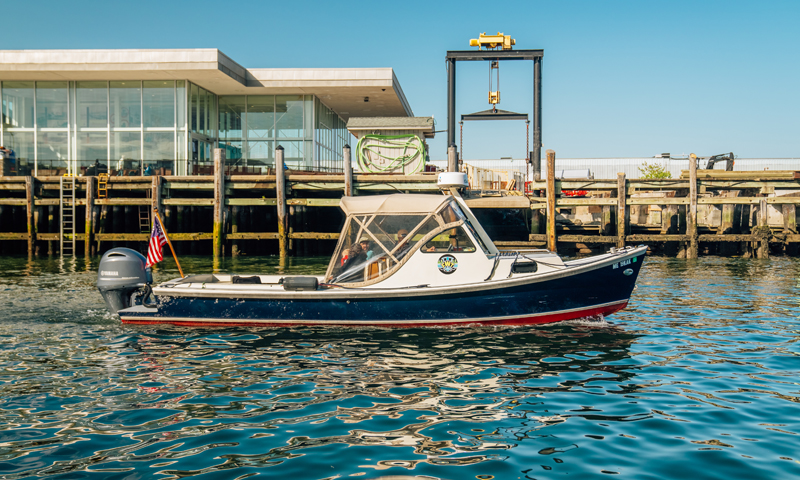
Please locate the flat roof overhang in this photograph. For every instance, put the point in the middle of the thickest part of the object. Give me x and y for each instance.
(344, 90)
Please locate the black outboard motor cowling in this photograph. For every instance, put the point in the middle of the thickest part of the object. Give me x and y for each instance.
(122, 272)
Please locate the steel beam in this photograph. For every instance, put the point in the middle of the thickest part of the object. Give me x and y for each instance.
(482, 55)
(451, 101)
(537, 115)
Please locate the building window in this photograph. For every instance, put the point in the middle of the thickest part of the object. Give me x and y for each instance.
(18, 111)
(330, 138)
(53, 151)
(231, 118)
(126, 153)
(91, 104)
(126, 104)
(159, 151)
(22, 144)
(51, 105)
(251, 127)
(159, 104)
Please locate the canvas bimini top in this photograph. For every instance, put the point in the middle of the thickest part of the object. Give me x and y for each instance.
(395, 203)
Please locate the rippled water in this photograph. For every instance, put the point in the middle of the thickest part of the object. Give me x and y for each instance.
(698, 378)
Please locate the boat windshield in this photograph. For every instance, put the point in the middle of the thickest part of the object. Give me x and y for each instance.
(371, 245)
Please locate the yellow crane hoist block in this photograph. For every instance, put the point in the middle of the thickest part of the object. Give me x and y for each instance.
(501, 41)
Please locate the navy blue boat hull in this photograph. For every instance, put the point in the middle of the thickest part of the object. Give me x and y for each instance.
(597, 291)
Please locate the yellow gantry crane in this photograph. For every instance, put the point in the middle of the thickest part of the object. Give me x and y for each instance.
(503, 42)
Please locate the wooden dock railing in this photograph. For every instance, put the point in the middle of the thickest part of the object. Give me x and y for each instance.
(744, 213)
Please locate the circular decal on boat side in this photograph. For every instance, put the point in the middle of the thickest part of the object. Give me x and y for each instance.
(447, 264)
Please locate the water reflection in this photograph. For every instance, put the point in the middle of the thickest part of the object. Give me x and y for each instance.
(283, 392)
(698, 377)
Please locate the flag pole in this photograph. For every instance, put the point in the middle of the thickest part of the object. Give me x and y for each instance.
(158, 217)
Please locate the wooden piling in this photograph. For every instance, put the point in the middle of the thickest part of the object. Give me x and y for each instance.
(155, 197)
(37, 222)
(88, 237)
(102, 228)
(348, 171)
(622, 211)
(748, 225)
(790, 219)
(727, 225)
(551, 200)
(280, 190)
(691, 214)
(680, 222)
(29, 206)
(763, 230)
(50, 227)
(219, 200)
(95, 219)
(290, 220)
(790, 227)
(235, 229)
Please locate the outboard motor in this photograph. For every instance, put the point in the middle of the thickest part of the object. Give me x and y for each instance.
(122, 272)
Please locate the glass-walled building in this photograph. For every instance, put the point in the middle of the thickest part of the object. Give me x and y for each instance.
(120, 127)
(99, 122)
(162, 127)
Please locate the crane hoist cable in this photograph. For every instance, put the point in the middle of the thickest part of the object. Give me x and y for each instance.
(373, 157)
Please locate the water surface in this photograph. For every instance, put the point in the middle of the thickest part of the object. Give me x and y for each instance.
(698, 378)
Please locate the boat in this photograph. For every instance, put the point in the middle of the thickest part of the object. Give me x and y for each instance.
(402, 260)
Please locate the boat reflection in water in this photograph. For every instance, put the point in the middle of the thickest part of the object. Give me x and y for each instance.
(453, 396)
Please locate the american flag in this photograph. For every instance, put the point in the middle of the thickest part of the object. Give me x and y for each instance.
(157, 240)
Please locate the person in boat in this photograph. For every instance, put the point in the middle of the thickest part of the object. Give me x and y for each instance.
(365, 243)
(402, 244)
(353, 263)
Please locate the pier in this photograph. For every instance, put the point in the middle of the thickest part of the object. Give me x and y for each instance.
(290, 213)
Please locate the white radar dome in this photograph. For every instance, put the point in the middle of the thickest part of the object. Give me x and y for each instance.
(452, 179)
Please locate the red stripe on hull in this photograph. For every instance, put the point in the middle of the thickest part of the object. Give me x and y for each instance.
(533, 320)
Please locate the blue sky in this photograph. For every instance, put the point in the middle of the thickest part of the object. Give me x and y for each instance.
(620, 78)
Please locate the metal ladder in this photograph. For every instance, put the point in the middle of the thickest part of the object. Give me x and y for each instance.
(144, 214)
(102, 185)
(144, 219)
(67, 224)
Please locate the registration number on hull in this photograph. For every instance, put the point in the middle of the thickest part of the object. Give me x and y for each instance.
(624, 263)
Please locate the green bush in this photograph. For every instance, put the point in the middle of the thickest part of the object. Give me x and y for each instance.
(653, 171)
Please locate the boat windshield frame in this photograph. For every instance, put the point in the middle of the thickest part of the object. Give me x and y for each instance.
(353, 266)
